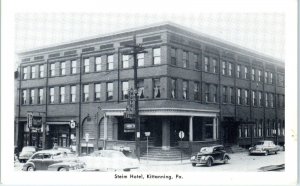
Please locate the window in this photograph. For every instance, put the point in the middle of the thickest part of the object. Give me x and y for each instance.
(260, 128)
(109, 91)
(110, 62)
(141, 59)
(85, 93)
(214, 61)
(73, 94)
(229, 69)
(246, 73)
(224, 92)
(97, 92)
(185, 59)
(196, 61)
(259, 75)
(156, 88)
(253, 98)
(280, 79)
(266, 77)
(173, 56)
(215, 93)
(125, 90)
(42, 71)
(52, 69)
(61, 94)
(246, 131)
(271, 78)
(31, 98)
(253, 74)
(41, 95)
(125, 61)
(24, 100)
(238, 71)
(86, 65)
(224, 67)
(196, 91)
(259, 99)
(239, 98)
(206, 88)
(74, 67)
(185, 87)
(63, 68)
(247, 97)
(206, 64)
(25, 73)
(33, 72)
(98, 64)
(51, 95)
(231, 95)
(156, 56)
(141, 89)
(266, 100)
(271, 100)
(240, 131)
(173, 88)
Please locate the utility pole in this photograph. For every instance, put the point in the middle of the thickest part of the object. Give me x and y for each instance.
(136, 49)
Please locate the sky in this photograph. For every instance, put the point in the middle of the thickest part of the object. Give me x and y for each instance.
(259, 31)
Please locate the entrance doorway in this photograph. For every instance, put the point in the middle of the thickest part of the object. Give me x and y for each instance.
(230, 127)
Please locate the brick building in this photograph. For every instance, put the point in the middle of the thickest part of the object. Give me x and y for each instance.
(214, 91)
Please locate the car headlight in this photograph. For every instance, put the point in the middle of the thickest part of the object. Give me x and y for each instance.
(193, 157)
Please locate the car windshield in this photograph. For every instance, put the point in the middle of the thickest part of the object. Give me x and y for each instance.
(206, 149)
(259, 143)
(112, 154)
(28, 149)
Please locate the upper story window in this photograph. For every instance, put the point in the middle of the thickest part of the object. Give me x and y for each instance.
(109, 91)
(156, 88)
(31, 98)
(206, 64)
(266, 100)
(125, 61)
(196, 61)
(259, 75)
(247, 97)
(185, 89)
(42, 71)
(61, 94)
(253, 98)
(224, 94)
(141, 89)
(259, 99)
(229, 69)
(73, 93)
(196, 90)
(141, 59)
(25, 73)
(63, 68)
(253, 74)
(125, 87)
(85, 93)
(271, 100)
(52, 69)
(97, 96)
(223, 67)
(110, 62)
(73, 67)
(51, 95)
(185, 59)
(33, 72)
(215, 93)
(173, 56)
(246, 73)
(156, 56)
(271, 78)
(280, 80)
(238, 71)
(173, 88)
(98, 64)
(239, 96)
(266, 77)
(24, 98)
(215, 69)
(231, 95)
(41, 96)
(206, 94)
(86, 65)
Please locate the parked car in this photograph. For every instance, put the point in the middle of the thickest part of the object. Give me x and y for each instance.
(264, 147)
(210, 155)
(109, 160)
(54, 160)
(26, 153)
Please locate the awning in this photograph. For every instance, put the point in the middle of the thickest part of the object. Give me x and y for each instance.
(58, 122)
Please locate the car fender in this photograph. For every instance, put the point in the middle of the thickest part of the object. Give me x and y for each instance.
(226, 155)
(212, 158)
(26, 165)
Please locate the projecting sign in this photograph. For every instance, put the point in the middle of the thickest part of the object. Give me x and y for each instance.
(129, 127)
(147, 134)
(181, 134)
(72, 124)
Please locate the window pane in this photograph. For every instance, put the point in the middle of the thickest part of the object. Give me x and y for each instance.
(74, 67)
(156, 56)
(156, 88)
(140, 58)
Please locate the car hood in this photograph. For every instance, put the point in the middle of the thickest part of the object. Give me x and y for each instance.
(109, 163)
(258, 147)
(204, 153)
(27, 153)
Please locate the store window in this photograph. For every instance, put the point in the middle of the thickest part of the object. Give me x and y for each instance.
(208, 123)
(97, 92)
(156, 56)
(109, 91)
(85, 93)
(125, 90)
(156, 88)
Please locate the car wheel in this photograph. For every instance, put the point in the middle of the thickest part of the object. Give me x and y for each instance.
(266, 153)
(62, 169)
(126, 170)
(30, 168)
(209, 162)
(275, 152)
(226, 159)
(194, 164)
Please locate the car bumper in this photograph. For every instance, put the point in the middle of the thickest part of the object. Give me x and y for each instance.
(199, 161)
(257, 151)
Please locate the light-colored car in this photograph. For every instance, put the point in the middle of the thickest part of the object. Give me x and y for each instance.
(264, 147)
(54, 160)
(26, 153)
(109, 160)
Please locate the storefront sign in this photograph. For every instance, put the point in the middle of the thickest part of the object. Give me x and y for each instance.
(129, 127)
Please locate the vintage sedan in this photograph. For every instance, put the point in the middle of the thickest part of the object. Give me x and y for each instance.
(54, 160)
(26, 153)
(109, 160)
(264, 147)
(210, 155)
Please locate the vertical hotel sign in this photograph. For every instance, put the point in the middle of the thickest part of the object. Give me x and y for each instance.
(34, 121)
(129, 113)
